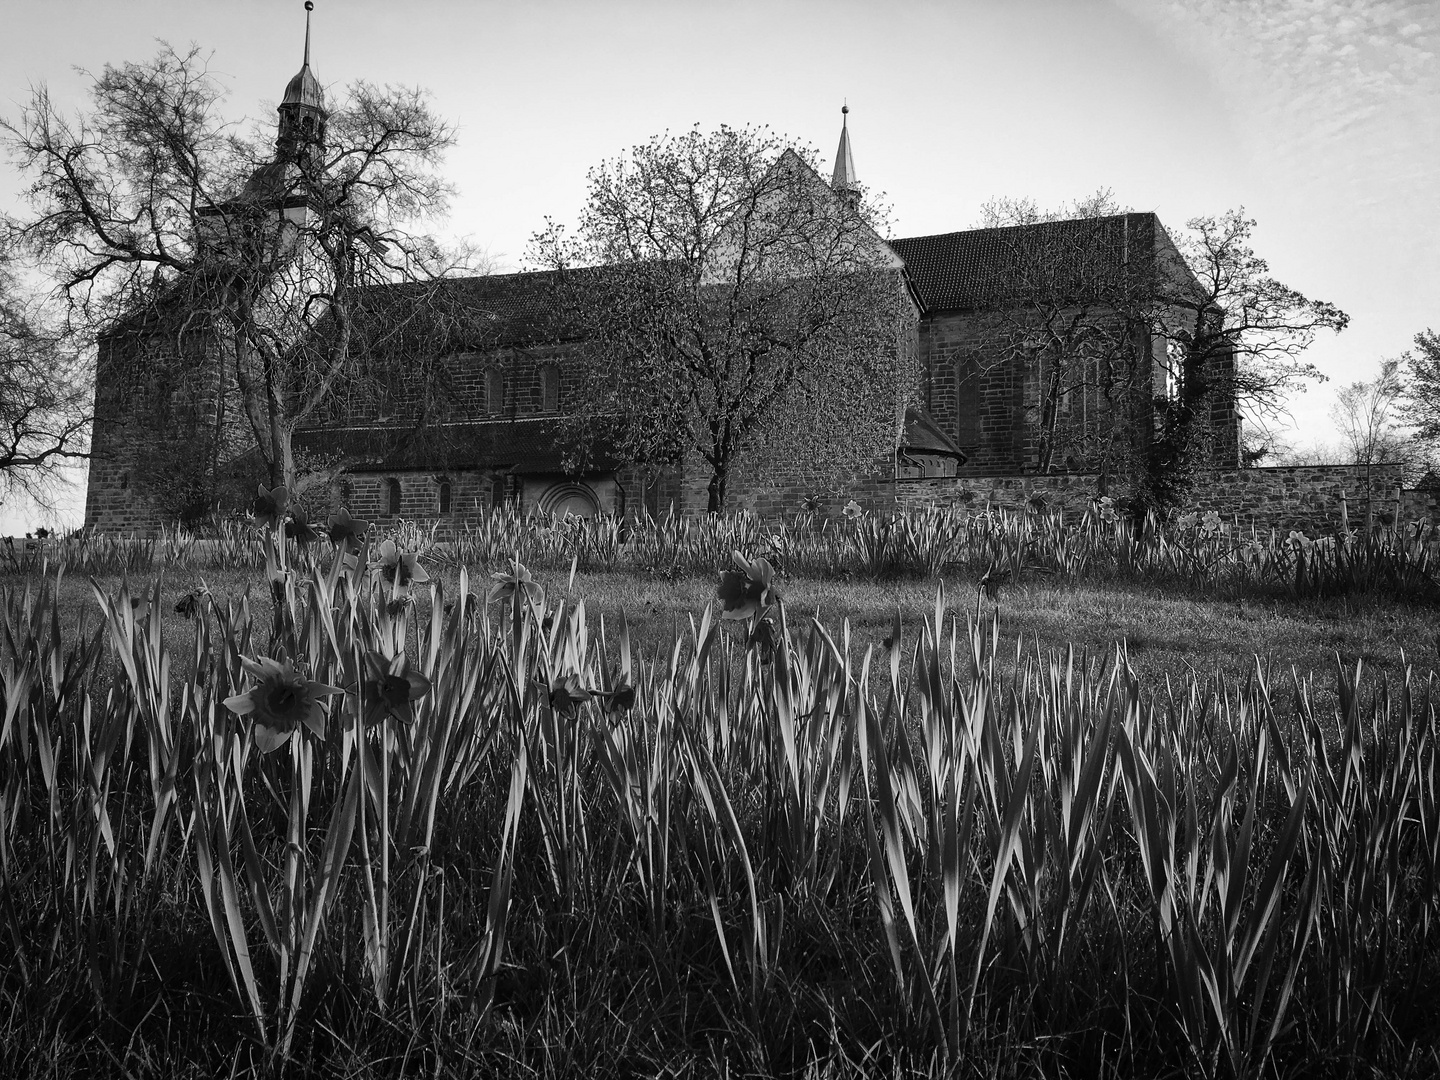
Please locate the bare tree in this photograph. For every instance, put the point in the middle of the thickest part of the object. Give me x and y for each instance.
(44, 396)
(742, 310)
(1238, 336)
(1067, 307)
(1366, 414)
(160, 222)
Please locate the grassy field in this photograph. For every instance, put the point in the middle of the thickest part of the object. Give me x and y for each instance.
(525, 842)
(1166, 631)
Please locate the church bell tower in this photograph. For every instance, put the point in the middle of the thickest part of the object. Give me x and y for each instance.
(302, 111)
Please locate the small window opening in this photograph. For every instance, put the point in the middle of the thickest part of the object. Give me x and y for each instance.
(392, 497)
(444, 496)
(550, 388)
(494, 390)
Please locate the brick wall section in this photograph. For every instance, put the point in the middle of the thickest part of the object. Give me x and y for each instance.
(991, 405)
(469, 384)
(975, 401)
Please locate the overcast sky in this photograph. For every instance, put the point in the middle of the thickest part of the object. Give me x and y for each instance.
(1321, 118)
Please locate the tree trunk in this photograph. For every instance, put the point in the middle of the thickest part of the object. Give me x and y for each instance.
(719, 480)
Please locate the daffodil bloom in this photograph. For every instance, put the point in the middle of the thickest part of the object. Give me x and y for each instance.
(346, 531)
(280, 702)
(567, 692)
(746, 589)
(622, 697)
(394, 686)
(299, 529)
(853, 510)
(517, 582)
(270, 504)
(398, 567)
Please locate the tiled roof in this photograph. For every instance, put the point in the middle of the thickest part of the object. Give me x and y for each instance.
(924, 436)
(487, 311)
(978, 268)
(519, 444)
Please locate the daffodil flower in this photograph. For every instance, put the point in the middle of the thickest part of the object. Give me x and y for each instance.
(567, 692)
(746, 589)
(280, 702)
(399, 568)
(270, 504)
(393, 687)
(345, 531)
(516, 582)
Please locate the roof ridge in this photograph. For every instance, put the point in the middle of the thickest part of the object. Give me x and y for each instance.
(1027, 225)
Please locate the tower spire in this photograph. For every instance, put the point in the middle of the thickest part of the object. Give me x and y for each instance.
(843, 181)
(302, 109)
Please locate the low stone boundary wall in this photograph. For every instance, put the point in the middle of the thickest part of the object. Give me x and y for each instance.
(1309, 498)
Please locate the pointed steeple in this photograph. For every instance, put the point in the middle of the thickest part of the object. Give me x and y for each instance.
(302, 109)
(843, 181)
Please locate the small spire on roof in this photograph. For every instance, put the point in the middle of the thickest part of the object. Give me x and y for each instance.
(309, 7)
(843, 180)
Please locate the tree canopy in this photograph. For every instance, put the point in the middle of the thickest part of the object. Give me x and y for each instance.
(155, 215)
(745, 311)
(44, 395)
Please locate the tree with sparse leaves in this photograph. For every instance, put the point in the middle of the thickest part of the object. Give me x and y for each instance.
(44, 396)
(1238, 339)
(1066, 311)
(220, 269)
(1367, 415)
(1420, 400)
(740, 311)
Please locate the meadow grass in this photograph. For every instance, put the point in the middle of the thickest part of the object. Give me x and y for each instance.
(559, 841)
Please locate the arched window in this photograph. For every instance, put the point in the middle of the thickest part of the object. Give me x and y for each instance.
(444, 496)
(392, 496)
(494, 390)
(497, 491)
(549, 388)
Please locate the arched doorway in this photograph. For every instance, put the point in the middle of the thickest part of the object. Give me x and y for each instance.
(569, 498)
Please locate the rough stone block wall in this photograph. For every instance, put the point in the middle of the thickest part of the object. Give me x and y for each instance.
(1071, 492)
(1305, 498)
(1308, 498)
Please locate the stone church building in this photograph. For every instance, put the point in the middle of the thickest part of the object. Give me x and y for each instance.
(1036, 352)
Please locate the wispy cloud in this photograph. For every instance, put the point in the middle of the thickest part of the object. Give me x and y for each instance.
(1347, 88)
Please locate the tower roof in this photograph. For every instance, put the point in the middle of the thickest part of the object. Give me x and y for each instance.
(305, 88)
(844, 176)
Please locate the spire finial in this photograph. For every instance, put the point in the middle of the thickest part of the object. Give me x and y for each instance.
(309, 7)
(843, 180)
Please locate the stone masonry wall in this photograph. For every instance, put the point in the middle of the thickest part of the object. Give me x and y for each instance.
(1307, 498)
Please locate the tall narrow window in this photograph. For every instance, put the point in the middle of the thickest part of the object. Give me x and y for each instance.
(444, 496)
(494, 390)
(392, 496)
(497, 491)
(549, 388)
